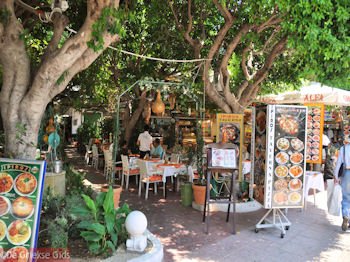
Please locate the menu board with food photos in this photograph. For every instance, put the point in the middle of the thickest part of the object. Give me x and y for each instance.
(21, 187)
(346, 133)
(230, 130)
(315, 120)
(258, 152)
(285, 162)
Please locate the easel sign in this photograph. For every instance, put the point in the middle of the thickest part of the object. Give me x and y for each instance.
(20, 198)
(229, 129)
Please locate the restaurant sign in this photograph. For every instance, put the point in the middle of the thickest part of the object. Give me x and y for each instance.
(21, 188)
(229, 129)
(285, 163)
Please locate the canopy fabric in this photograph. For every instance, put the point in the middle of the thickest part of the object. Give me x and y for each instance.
(313, 93)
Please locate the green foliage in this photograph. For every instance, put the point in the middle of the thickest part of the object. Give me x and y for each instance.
(199, 153)
(74, 183)
(86, 131)
(58, 232)
(4, 15)
(111, 21)
(103, 226)
(106, 127)
(62, 78)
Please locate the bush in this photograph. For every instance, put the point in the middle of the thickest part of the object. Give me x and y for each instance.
(86, 131)
(106, 126)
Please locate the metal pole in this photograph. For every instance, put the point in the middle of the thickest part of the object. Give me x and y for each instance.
(117, 130)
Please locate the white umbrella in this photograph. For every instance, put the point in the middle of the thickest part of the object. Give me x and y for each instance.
(313, 93)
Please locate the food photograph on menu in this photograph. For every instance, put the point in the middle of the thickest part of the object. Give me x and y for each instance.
(259, 150)
(20, 203)
(289, 156)
(346, 133)
(315, 120)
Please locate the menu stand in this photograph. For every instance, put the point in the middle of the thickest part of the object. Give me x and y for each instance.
(220, 199)
(276, 222)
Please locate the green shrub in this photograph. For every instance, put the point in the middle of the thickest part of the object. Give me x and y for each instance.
(86, 131)
(103, 227)
(74, 183)
(106, 126)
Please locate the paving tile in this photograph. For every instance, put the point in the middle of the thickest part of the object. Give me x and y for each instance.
(313, 236)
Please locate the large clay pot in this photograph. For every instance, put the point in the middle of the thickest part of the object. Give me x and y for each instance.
(117, 190)
(199, 194)
(50, 128)
(158, 106)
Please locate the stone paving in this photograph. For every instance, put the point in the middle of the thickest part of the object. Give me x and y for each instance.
(313, 236)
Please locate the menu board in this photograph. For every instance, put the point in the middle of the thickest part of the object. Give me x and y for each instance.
(224, 158)
(285, 163)
(258, 152)
(346, 133)
(21, 187)
(315, 120)
(230, 130)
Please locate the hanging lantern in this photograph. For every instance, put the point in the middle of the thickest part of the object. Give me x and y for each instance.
(158, 106)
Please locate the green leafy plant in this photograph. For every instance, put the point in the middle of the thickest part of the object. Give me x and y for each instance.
(74, 183)
(86, 131)
(106, 126)
(103, 226)
(199, 153)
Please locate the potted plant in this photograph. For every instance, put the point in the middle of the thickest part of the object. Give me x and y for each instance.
(200, 186)
(117, 190)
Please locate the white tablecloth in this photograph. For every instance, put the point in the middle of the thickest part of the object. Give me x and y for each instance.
(173, 171)
(313, 180)
(246, 165)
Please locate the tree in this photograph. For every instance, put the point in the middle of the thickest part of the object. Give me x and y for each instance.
(252, 45)
(26, 88)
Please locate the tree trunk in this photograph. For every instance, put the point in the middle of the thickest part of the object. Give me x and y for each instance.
(23, 96)
(135, 116)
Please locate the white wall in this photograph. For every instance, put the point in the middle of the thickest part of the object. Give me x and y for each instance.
(77, 119)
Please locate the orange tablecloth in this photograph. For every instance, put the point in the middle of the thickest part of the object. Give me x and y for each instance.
(136, 155)
(174, 165)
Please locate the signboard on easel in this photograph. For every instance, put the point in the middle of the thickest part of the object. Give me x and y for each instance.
(21, 189)
(229, 129)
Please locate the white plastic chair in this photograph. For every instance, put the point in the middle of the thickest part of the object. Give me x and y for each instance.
(127, 171)
(95, 156)
(88, 153)
(175, 158)
(145, 173)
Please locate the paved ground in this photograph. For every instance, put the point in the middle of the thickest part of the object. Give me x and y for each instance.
(313, 236)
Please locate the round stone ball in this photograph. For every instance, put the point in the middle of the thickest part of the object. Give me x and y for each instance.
(136, 223)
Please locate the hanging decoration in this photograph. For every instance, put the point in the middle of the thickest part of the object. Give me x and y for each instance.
(147, 112)
(172, 100)
(158, 106)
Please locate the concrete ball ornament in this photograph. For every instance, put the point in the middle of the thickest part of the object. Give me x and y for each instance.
(136, 224)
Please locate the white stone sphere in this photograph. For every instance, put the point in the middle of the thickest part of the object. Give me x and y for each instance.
(136, 223)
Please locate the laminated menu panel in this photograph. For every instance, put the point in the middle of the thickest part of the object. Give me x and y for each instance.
(285, 156)
(21, 190)
(315, 122)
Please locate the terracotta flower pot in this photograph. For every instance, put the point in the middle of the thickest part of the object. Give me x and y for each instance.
(158, 106)
(117, 190)
(50, 128)
(198, 194)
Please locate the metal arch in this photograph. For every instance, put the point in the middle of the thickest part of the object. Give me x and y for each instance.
(145, 82)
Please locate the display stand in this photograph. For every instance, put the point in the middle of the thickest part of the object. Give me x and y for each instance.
(276, 222)
(220, 199)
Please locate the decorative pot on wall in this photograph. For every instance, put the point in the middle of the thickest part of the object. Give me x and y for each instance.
(172, 101)
(147, 113)
(158, 106)
(50, 128)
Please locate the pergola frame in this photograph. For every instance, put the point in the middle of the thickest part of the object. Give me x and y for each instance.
(151, 84)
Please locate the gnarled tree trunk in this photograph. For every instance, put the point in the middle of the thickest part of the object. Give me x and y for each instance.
(25, 95)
